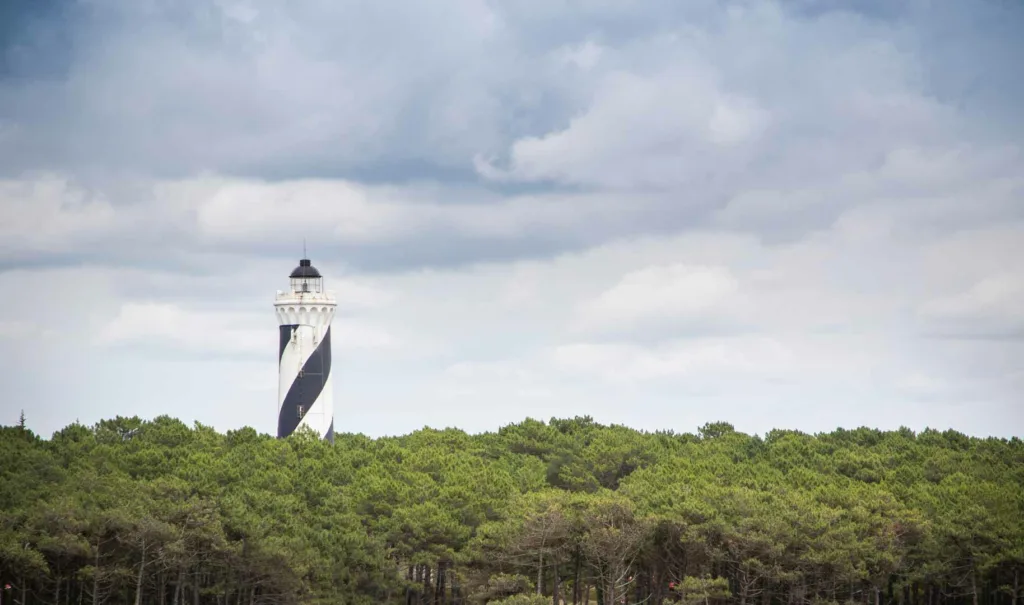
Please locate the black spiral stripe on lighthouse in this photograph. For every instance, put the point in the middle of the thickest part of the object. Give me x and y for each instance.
(330, 433)
(286, 337)
(306, 388)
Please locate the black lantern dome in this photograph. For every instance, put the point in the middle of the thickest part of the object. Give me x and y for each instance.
(304, 270)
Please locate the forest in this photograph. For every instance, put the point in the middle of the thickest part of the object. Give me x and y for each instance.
(133, 511)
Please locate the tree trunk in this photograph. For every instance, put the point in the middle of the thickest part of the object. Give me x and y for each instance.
(177, 586)
(456, 588)
(974, 588)
(138, 581)
(439, 591)
(576, 580)
(96, 575)
(56, 598)
(418, 578)
(408, 588)
(540, 573)
(1016, 586)
(426, 583)
(554, 581)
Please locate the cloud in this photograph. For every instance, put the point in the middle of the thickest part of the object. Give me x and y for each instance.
(698, 108)
(649, 211)
(248, 211)
(49, 214)
(689, 359)
(184, 224)
(640, 132)
(197, 331)
(220, 333)
(828, 311)
(251, 86)
(661, 294)
(992, 307)
(656, 119)
(475, 378)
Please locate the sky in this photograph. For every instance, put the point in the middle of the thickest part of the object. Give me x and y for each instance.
(795, 214)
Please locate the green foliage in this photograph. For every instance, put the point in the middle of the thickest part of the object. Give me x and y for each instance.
(693, 591)
(133, 511)
(523, 599)
(502, 586)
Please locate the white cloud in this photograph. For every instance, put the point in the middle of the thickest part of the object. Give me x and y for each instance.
(196, 331)
(221, 212)
(48, 213)
(662, 293)
(993, 307)
(219, 332)
(640, 131)
(476, 378)
(631, 363)
(996, 297)
(251, 210)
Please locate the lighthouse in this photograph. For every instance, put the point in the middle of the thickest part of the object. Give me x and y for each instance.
(305, 394)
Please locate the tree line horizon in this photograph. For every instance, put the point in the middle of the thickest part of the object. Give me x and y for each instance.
(132, 511)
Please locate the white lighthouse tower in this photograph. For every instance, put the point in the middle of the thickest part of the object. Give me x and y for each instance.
(305, 394)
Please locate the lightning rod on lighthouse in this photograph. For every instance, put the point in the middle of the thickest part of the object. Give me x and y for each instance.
(305, 386)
